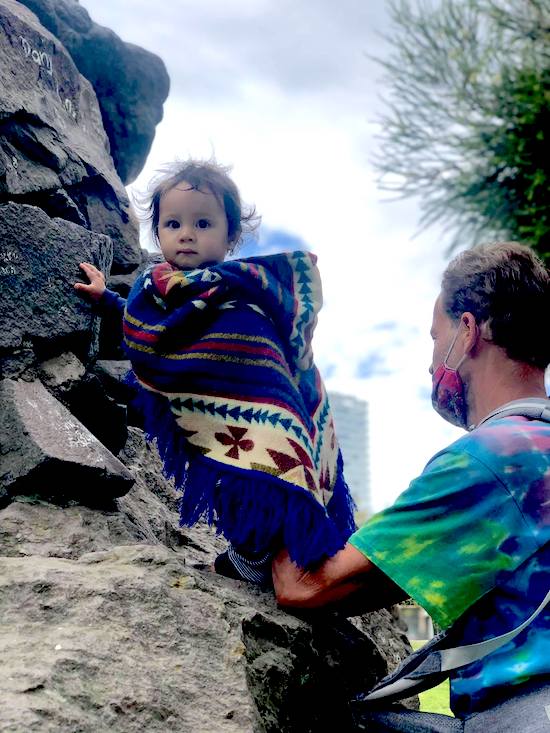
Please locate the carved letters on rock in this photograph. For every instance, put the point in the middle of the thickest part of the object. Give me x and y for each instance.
(53, 148)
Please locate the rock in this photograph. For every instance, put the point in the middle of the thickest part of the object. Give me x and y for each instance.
(146, 514)
(112, 374)
(54, 152)
(109, 622)
(107, 420)
(16, 362)
(66, 378)
(134, 639)
(30, 527)
(122, 284)
(47, 452)
(131, 84)
(62, 373)
(39, 303)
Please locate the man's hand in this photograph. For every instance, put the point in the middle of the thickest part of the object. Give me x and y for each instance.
(347, 581)
(336, 578)
(96, 287)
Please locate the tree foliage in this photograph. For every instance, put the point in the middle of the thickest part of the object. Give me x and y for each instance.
(468, 117)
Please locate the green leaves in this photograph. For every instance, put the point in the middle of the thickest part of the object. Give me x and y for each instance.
(468, 117)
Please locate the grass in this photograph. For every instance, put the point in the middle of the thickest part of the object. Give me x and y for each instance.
(435, 700)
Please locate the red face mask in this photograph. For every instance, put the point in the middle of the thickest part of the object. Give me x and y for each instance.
(448, 397)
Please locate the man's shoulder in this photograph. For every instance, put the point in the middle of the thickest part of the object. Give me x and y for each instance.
(499, 431)
(506, 447)
(510, 435)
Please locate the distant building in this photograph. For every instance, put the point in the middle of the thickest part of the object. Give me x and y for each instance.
(351, 419)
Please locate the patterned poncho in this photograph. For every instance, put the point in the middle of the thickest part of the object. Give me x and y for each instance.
(223, 360)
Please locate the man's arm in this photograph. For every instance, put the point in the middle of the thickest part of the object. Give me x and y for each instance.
(348, 580)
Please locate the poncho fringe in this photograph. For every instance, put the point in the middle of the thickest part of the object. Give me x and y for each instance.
(274, 516)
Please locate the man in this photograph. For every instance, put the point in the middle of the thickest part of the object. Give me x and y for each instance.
(468, 540)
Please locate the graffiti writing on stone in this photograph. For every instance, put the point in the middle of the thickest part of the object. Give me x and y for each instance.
(70, 108)
(41, 58)
(45, 63)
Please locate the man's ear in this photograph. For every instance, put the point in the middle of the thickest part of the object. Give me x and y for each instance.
(472, 332)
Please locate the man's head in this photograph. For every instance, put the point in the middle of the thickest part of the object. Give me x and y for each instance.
(506, 287)
(489, 323)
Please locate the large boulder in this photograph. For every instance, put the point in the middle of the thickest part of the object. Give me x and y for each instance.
(54, 152)
(112, 620)
(39, 260)
(47, 452)
(131, 83)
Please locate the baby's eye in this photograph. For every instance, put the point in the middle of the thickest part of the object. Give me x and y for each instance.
(203, 224)
(171, 224)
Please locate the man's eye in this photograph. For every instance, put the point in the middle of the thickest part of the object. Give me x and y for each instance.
(203, 224)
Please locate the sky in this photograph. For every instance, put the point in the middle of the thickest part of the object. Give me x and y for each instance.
(287, 93)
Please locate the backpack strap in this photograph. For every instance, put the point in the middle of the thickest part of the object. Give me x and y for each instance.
(431, 664)
(532, 407)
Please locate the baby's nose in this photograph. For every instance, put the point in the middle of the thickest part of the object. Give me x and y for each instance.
(187, 233)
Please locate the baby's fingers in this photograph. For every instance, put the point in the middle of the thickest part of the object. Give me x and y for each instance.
(96, 287)
(91, 270)
(83, 286)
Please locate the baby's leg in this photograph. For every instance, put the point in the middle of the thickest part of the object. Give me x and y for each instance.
(242, 564)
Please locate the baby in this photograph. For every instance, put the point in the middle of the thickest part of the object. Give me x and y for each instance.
(221, 352)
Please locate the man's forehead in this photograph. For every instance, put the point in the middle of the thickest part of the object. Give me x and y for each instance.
(439, 314)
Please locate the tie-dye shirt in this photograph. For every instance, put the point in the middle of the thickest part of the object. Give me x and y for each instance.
(472, 529)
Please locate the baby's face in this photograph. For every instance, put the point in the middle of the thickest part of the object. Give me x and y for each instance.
(192, 227)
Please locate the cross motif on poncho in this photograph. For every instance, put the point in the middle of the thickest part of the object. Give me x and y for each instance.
(235, 440)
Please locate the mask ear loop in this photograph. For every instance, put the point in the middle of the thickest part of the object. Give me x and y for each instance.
(464, 356)
(453, 369)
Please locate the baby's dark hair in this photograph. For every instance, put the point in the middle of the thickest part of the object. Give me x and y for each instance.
(201, 175)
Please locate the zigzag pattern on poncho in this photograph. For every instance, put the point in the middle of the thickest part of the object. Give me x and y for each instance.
(228, 387)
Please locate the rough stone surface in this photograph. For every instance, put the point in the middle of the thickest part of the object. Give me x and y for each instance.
(146, 514)
(54, 152)
(84, 396)
(112, 373)
(111, 621)
(131, 84)
(62, 373)
(39, 304)
(47, 452)
(181, 650)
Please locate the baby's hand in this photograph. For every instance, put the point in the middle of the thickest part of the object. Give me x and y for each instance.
(97, 287)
